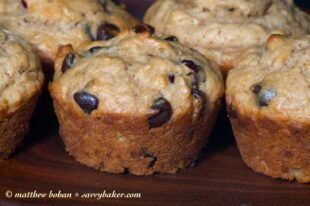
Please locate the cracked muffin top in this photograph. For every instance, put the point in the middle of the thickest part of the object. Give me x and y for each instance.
(273, 81)
(21, 77)
(136, 74)
(223, 29)
(49, 24)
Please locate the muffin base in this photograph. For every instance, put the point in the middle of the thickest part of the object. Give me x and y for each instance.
(120, 144)
(274, 148)
(14, 127)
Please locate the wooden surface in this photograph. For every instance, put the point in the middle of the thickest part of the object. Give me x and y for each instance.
(220, 178)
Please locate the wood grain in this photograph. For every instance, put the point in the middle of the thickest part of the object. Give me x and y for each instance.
(220, 178)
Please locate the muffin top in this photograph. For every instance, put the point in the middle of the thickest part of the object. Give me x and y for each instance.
(20, 73)
(49, 24)
(223, 29)
(136, 74)
(273, 81)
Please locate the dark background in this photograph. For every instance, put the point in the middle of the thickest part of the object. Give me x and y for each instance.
(303, 3)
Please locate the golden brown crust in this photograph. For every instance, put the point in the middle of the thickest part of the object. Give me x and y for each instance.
(14, 127)
(117, 144)
(275, 148)
(106, 102)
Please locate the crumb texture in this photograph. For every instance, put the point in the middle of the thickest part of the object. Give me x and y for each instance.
(223, 29)
(49, 24)
(20, 74)
(274, 80)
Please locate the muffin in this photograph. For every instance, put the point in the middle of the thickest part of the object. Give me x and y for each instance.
(48, 24)
(223, 29)
(20, 85)
(268, 102)
(135, 103)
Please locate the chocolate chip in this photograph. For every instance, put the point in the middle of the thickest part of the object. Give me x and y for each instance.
(151, 157)
(256, 89)
(126, 171)
(191, 65)
(94, 49)
(164, 113)
(202, 99)
(141, 28)
(266, 96)
(89, 33)
(198, 94)
(24, 3)
(87, 102)
(172, 38)
(198, 78)
(107, 31)
(171, 78)
(68, 62)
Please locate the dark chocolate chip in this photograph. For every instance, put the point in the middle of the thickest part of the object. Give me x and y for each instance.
(126, 171)
(191, 65)
(201, 97)
(198, 94)
(266, 96)
(87, 102)
(256, 89)
(88, 32)
(107, 31)
(94, 49)
(195, 82)
(141, 28)
(68, 62)
(172, 38)
(151, 157)
(164, 113)
(171, 78)
(24, 3)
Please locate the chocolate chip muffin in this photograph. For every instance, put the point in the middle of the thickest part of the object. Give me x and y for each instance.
(135, 103)
(21, 80)
(223, 29)
(49, 24)
(268, 102)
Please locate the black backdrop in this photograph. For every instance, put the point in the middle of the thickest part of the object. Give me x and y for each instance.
(303, 3)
